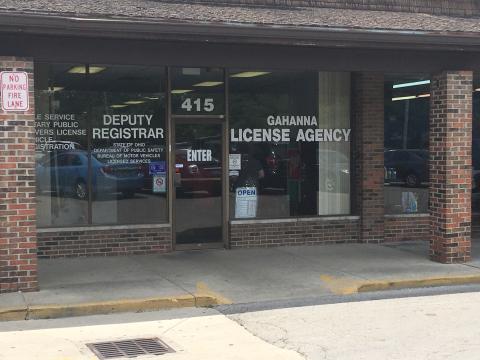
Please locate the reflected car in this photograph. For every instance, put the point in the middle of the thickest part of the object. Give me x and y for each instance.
(410, 166)
(66, 173)
(197, 176)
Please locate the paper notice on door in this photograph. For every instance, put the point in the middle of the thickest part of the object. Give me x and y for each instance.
(235, 161)
(246, 202)
(159, 184)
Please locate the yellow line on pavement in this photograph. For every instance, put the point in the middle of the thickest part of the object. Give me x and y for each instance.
(204, 292)
(415, 283)
(344, 285)
(12, 314)
(203, 297)
(340, 285)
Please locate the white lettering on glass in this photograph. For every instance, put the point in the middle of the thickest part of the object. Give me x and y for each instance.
(199, 155)
(198, 105)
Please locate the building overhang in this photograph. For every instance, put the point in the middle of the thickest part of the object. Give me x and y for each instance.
(237, 33)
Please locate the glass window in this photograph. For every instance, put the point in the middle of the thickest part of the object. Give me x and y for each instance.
(61, 136)
(100, 144)
(128, 164)
(476, 154)
(407, 106)
(198, 91)
(289, 144)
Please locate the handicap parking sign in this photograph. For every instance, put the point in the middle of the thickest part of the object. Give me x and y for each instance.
(157, 167)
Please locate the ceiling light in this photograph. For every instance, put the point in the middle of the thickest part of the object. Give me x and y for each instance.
(249, 74)
(191, 71)
(118, 106)
(404, 98)
(478, 89)
(409, 84)
(423, 96)
(151, 98)
(134, 102)
(180, 91)
(55, 88)
(83, 69)
(209, 83)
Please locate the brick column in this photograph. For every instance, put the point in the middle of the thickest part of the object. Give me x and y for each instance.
(368, 124)
(18, 244)
(450, 166)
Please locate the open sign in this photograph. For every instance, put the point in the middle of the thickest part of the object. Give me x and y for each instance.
(246, 202)
(250, 191)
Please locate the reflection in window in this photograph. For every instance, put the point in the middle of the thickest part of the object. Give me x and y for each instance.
(283, 160)
(476, 157)
(198, 91)
(407, 104)
(100, 145)
(61, 147)
(128, 146)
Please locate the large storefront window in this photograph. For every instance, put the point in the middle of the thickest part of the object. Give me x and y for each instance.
(100, 145)
(289, 144)
(407, 104)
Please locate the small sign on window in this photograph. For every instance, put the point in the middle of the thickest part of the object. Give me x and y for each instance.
(159, 184)
(235, 161)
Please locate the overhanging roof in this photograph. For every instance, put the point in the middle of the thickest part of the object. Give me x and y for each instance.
(150, 19)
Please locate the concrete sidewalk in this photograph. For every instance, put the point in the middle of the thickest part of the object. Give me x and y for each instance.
(81, 286)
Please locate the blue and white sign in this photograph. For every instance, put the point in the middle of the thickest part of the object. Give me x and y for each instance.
(157, 167)
(246, 202)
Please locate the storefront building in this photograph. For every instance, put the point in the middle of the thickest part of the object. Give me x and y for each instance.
(149, 127)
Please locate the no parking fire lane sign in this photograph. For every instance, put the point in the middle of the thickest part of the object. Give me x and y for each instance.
(14, 90)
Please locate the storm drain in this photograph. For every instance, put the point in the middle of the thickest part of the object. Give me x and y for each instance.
(129, 348)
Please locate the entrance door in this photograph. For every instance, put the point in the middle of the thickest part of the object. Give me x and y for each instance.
(198, 181)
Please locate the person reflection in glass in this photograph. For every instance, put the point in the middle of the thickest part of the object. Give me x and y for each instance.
(251, 170)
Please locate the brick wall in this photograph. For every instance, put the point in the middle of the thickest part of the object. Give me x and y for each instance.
(104, 242)
(450, 166)
(407, 227)
(18, 258)
(439, 7)
(289, 232)
(368, 153)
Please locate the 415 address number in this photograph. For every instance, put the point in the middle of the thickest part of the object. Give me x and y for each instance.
(198, 105)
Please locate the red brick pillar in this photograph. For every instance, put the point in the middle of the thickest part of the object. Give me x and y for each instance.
(368, 124)
(18, 243)
(450, 166)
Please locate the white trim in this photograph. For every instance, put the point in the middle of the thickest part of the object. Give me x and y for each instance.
(100, 228)
(407, 215)
(291, 220)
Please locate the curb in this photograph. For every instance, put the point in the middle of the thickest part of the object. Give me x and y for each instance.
(107, 307)
(417, 283)
(13, 314)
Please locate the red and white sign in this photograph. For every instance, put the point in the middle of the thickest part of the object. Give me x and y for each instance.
(159, 184)
(14, 90)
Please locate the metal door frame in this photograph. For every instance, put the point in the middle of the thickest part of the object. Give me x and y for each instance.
(201, 120)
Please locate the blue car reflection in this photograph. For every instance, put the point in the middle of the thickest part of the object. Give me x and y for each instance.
(66, 173)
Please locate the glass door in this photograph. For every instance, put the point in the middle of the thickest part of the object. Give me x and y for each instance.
(198, 181)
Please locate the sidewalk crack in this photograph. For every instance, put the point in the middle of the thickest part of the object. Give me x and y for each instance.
(27, 305)
(282, 342)
(150, 270)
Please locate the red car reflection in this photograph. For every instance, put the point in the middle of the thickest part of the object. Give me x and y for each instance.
(197, 177)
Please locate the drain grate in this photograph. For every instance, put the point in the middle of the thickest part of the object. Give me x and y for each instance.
(129, 348)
